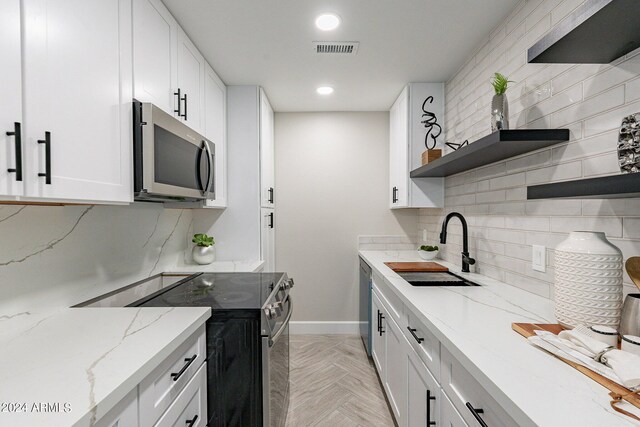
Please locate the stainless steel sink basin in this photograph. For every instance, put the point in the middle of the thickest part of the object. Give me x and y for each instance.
(435, 279)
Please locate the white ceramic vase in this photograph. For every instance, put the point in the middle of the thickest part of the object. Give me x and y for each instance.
(588, 281)
(204, 255)
(427, 255)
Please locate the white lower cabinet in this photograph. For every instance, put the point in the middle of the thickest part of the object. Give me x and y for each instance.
(190, 407)
(425, 385)
(423, 393)
(396, 377)
(449, 417)
(124, 414)
(378, 347)
(173, 394)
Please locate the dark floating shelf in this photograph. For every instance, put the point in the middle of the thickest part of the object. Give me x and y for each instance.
(497, 146)
(606, 187)
(598, 32)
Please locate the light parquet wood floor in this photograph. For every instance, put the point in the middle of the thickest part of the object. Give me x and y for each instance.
(334, 384)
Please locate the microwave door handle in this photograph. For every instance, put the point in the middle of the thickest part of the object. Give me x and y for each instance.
(210, 167)
(198, 171)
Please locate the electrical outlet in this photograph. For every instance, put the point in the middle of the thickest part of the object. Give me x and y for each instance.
(539, 258)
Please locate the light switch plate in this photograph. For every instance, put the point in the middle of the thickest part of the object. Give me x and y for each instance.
(539, 258)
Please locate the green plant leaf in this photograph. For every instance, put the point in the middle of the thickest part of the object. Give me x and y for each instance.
(500, 83)
(428, 248)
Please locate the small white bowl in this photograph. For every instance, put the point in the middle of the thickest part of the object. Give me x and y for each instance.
(427, 255)
(631, 344)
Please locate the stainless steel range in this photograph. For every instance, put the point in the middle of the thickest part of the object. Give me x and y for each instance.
(247, 338)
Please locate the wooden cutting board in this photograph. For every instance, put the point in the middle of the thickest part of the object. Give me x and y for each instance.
(404, 267)
(527, 330)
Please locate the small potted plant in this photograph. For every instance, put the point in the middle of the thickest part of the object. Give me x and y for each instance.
(428, 252)
(499, 104)
(203, 251)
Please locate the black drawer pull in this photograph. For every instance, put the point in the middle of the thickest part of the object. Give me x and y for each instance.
(413, 332)
(381, 319)
(429, 399)
(189, 361)
(179, 110)
(271, 220)
(271, 195)
(476, 414)
(17, 134)
(191, 422)
(185, 107)
(394, 197)
(47, 157)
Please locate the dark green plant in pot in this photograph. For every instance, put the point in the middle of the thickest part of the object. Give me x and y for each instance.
(203, 240)
(428, 248)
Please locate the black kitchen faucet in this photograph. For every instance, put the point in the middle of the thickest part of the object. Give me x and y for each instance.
(466, 259)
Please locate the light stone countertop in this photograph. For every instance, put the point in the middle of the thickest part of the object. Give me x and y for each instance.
(474, 324)
(219, 267)
(89, 358)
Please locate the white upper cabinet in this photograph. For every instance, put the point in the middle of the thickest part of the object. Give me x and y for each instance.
(155, 42)
(191, 70)
(407, 142)
(267, 153)
(78, 87)
(11, 159)
(215, 129)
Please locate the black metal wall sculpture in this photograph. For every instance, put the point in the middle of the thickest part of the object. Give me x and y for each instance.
(456, 145)
(430, 124)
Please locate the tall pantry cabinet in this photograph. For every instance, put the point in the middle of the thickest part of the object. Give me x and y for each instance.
(246, 229)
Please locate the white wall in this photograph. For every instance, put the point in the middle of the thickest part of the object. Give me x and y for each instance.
(56, 256)
(332, 170)
(590, 100)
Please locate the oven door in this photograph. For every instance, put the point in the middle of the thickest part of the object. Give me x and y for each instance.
(275, 370)
(172, 160)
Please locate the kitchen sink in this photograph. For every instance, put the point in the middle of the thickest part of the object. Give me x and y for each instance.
(435, 279)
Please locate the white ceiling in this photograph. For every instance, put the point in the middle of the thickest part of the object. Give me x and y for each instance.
(269, 43)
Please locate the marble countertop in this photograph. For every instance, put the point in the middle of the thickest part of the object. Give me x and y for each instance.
(88, 358)
(474, 324)
(219, 267)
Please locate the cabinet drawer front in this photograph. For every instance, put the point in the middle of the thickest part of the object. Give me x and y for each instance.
(449, 417)
(429, 347)
(163, 385)
(392, 303)
(423, 393)
(190, 407)
(467, 395)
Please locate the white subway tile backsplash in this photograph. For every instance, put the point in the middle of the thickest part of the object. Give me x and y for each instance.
(588, 99)
(559, 172)
(601, 165)
(589, 107)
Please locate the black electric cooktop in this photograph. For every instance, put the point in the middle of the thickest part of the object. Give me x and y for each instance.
(221, 291)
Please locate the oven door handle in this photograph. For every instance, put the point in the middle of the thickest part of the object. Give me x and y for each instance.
(277, 335)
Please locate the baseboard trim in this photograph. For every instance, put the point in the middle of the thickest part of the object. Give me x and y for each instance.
(324, 328)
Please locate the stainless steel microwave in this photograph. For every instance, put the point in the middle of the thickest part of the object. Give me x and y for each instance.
(172, 162)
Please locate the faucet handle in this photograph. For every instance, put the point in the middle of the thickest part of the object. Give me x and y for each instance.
(468, 259)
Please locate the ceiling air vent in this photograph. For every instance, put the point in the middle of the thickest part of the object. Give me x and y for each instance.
(338, 48)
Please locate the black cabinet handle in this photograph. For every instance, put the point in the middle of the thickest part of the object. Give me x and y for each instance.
(476, 414)
(271, 220)
(192, 421)
(381, 319)
(413, 332)
(185, 106)
(47, 157)
(179, 110)
(189, 361)
(394, 195)
(270, 194)
(17, 134)
(429, 399)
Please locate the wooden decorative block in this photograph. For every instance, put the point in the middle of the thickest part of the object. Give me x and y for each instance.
(431, 155)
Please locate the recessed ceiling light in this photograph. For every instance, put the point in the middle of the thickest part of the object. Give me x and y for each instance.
(325, 90)
(327, 21)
